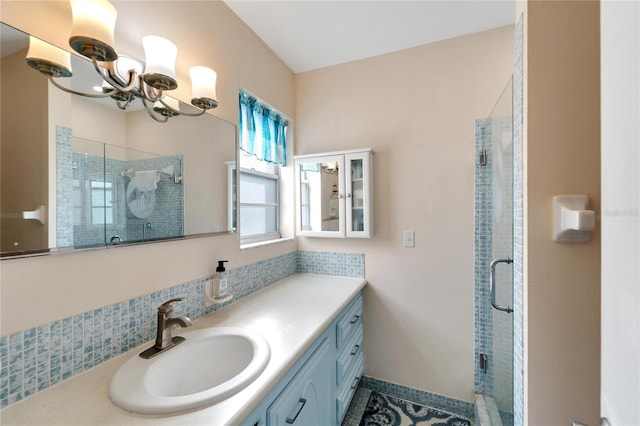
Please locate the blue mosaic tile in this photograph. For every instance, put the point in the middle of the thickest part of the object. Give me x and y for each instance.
(64, 187)
(331, 263)
(35, 359)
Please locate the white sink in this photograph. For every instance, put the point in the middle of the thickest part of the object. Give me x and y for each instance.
(209, 366)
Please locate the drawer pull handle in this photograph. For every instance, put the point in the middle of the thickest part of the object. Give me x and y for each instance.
(301, 401)
(355, 350)
(355, 383)
(355, 319)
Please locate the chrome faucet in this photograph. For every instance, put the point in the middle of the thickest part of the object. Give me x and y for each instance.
(164, 340)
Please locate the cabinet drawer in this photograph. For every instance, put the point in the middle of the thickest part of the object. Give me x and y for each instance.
(351, 352)
(348, 388)
(349, 322)
(306, 399)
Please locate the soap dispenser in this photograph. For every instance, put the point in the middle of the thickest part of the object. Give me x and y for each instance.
(215, 291)
(220, 281)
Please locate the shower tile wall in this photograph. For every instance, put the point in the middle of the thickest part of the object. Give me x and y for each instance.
(75, 171)
(64, 187)
(483, 251)
(35, 359)
(163, 222)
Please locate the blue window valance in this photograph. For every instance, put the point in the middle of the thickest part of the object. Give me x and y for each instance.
(262, 131)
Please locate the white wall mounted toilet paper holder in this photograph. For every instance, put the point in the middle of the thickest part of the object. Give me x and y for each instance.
(572, 222)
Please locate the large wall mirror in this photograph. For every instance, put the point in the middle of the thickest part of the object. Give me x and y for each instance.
(80, 173)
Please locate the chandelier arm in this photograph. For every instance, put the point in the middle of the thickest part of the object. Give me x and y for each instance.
(169, 107)
(125, 105)
(152, 114)
(86, 95)
(154, 95)
(109, 75)
(177, 112)
(188, 114)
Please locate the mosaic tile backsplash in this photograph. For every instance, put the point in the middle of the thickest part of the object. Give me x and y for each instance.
(35, 359)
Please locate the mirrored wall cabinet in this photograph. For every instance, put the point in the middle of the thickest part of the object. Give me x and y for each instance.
(334, 194)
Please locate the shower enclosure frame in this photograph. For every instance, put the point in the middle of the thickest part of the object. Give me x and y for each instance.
(494, 238)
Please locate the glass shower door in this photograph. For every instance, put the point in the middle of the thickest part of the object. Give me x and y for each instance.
(494, 254)
(502, 248)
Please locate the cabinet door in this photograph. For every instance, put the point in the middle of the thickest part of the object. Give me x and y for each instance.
(307, 398)
(359, 223)
(321, 201)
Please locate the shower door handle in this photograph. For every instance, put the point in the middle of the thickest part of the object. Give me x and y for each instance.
(492, 283)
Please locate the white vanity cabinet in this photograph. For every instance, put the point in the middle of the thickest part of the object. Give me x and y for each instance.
(320, 386)
(334, 194)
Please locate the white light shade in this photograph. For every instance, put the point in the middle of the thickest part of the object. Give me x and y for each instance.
(160, 56)
(93, 20)
(203, 83)
(41, 52)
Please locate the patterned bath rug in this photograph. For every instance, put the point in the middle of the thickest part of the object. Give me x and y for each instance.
(383, 410)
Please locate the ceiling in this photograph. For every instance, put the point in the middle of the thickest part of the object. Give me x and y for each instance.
(312, 34)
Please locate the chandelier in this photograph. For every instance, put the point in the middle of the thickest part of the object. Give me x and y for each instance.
(124, 78)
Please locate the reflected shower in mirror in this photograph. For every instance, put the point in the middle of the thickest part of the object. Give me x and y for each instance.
(80, 173)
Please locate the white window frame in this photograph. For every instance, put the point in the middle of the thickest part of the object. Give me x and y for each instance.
(269, 236)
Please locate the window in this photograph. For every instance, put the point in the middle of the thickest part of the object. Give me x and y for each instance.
(101, 203)
(100, 194)
(259, 202)
(262, 151)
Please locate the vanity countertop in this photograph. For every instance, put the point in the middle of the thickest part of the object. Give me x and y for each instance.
(290, 314)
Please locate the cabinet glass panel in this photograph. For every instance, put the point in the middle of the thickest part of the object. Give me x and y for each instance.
(357, 195)
(319, 196)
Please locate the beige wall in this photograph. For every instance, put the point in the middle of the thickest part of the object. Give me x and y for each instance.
(40, 290)
(562, 156)
(205, 143)
(416, 108)
(24, 153)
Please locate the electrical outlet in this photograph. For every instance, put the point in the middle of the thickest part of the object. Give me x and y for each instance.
(409, 239)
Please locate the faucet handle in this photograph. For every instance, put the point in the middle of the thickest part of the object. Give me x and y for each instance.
(166, 307)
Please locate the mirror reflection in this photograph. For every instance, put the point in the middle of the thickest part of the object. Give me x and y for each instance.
(319, 196)
(80, 173)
